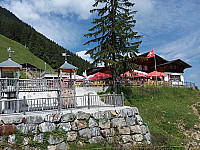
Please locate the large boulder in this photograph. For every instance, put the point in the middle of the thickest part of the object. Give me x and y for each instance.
(82, 115)
(74, 125)
(11, 139)
(124, 130)
(46, 126)
(126, 138)
(108, 114)
(148, 138)
(38, 138)
(137, 137)
(95, 131)
(118, 122)
(144, 129)
(96, 139)
(81, 124)
(34, 119)
(26, 140)
(130, 121)
(136, 129)
(68, 117)
(104, 124)
(85, 133)
(108, 132)
(71, 136)
(92, 123)
(62, 146)
(138, 119)
(51, 147)
(98, 115)
(53, 117)
(65, 126)
(12, 119)
(127, 146)
(27, 128)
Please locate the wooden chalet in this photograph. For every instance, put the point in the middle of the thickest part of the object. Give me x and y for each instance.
(173, 69)
(8, 68)
(30, 67)
(106, 70)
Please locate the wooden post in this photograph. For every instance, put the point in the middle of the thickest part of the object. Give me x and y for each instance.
(75, 88)
(122, 98)
(17, 90)
(0, 88)
(60, 95)
(70, 79)
(0, 85)
(88, 100)
(114, 98)
(24, 104)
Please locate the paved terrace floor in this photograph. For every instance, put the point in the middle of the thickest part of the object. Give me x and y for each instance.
(73, 110)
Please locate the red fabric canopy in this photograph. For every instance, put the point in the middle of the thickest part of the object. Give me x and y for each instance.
(132, 74)
(128, 73)
(100, 76)
(139, 75)
(155, 73)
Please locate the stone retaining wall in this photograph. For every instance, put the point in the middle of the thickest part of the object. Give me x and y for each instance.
(56, 131)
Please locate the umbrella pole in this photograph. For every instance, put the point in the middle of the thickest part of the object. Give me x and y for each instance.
(155, 67)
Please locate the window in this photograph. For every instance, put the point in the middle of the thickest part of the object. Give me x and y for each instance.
(145, 67)
(140, 67)
(7, 74)
(175, 78)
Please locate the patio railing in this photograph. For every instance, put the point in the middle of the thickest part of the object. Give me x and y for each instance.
(58, 103)
(39, 84)
(137, 83)
(33, 85)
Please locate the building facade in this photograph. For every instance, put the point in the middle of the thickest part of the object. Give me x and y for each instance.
(173, 69)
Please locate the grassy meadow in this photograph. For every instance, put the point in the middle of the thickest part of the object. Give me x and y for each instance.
(167, 111)
(21, 54)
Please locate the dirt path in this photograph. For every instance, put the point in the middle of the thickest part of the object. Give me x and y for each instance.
(196, 112)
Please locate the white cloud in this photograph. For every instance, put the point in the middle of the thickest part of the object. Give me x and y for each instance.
(53, 18)
(193, 75)
(144, 7)
(28, 8)
(187, 47)
(157, 17)
(88, 58)
(22, 9)
(84, 56)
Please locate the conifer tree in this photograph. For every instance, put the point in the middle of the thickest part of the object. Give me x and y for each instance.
(113, 32)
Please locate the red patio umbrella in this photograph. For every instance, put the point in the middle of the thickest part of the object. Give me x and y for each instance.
(155, 73)
(139, 75)
(100, 76)
(128, 73)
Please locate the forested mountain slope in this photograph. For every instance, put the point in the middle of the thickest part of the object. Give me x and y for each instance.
(21, 54)
(38, 44)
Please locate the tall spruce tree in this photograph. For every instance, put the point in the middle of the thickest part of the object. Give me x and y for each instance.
(113, 32)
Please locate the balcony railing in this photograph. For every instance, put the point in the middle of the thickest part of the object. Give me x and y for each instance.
(33, 85)
(58, 103)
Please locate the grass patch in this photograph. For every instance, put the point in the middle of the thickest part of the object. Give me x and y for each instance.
(164, 109)
(21, 54)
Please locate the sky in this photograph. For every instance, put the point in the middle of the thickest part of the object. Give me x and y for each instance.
(171, 27)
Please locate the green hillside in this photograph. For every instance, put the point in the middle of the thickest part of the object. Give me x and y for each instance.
(171, 113)
(38, 44)
(21, 54)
